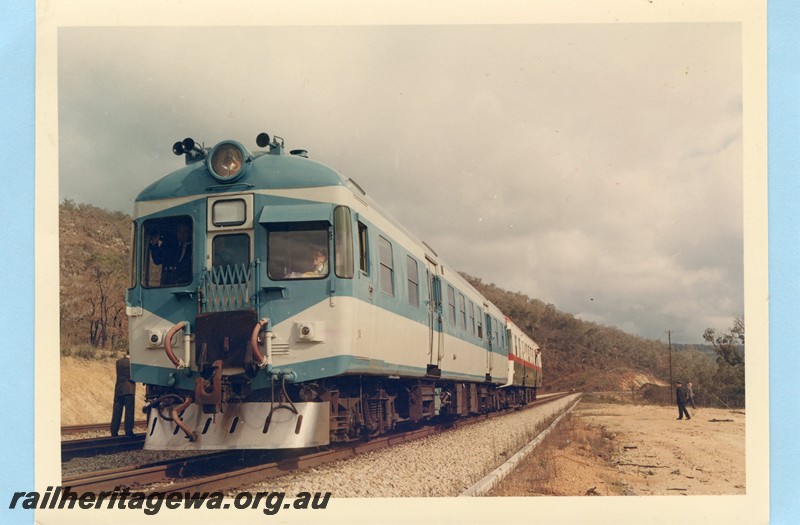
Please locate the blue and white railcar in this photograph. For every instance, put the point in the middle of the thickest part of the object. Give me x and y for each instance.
(272, 304)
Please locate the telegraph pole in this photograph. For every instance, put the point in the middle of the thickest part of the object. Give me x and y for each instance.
(671, 383)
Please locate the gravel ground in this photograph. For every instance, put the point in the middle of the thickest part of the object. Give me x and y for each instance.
(440, 466)
(68, 436)
(92, 434)
(81, 465)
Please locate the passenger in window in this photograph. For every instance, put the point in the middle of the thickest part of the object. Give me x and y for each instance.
(174, 255)
(320, 263)
(318, 268)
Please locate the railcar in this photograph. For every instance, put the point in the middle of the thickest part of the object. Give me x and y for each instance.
(524, 364)
(273, 304)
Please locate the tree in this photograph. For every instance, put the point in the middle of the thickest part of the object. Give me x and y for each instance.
(728, 382)
(727, 344)
(94, 273)
(105, 274)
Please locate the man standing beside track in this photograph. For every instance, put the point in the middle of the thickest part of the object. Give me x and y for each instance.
(124, 397)
(682, 396)
(690, 394)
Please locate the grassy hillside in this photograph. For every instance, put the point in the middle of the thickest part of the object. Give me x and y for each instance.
(580, 354)
(590, 357)
(94, 267)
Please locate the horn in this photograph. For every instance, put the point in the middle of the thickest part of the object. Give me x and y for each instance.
(262, 140)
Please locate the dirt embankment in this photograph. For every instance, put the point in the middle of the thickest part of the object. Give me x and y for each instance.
(607, 449)
(87, 391)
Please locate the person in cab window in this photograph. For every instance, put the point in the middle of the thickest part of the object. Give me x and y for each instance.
(319, 265)
(174, 255)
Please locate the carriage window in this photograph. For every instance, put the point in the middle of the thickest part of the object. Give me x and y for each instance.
(480, 324)
(363, 252)
(298, 250)
(343, 242)
(413, 281)
(167, 251)
(451, 303)
(387, 266)
(462, 311)
(472, 316)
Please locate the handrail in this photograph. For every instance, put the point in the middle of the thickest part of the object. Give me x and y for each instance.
(179, 363)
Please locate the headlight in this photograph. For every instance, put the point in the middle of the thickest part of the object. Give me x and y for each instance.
(310, 331)
(155, 338)
(228, 161)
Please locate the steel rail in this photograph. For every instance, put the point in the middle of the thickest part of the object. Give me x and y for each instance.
(93, 446)
(142, 474)
(95, 427)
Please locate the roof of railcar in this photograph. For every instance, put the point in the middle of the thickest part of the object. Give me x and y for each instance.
(265, 172)
(271, 171)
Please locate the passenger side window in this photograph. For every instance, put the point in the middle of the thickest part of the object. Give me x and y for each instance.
(387, 266)
(472, 317)
(451, 304)
(413, 281)
(462, 311)
(363, 251)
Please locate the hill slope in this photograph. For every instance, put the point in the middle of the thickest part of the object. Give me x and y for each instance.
(580, 354)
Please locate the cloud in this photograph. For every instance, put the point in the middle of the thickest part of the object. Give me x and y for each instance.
(597, 167)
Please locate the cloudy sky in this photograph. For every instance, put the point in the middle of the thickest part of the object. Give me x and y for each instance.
(597, 167)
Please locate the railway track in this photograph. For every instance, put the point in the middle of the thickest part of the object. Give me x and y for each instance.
(228, 470)
(73, 448)
(104, 445)
(95, 427)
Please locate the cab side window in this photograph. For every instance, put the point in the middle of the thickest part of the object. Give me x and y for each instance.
(168, 252)
(297, 251)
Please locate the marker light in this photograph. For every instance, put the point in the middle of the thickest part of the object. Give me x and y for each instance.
(227, 161)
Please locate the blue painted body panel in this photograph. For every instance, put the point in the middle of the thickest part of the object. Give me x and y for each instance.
(281, 300)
